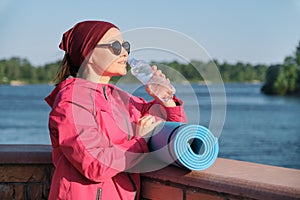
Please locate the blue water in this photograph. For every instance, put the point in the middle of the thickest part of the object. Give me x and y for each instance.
(257, 128)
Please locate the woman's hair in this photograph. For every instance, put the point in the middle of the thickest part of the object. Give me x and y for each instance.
(65, 69)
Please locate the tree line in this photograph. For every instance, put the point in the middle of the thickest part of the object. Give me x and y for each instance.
(281, 79)
(284, 79)
(17, 69)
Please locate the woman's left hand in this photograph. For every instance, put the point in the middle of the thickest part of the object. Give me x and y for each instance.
(146, 125)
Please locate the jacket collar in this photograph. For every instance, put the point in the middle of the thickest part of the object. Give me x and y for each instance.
(79, 82)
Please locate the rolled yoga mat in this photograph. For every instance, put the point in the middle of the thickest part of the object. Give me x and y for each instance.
(190, 146)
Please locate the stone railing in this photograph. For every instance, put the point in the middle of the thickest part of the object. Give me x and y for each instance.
(26, 170)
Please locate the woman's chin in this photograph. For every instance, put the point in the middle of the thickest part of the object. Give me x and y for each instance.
(124, 72)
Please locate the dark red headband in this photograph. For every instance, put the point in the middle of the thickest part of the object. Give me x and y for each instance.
(80, 40)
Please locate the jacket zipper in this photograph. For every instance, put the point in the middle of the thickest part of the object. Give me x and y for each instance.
(99, 190)
(104, 92)
(99, 194)
(127, 125)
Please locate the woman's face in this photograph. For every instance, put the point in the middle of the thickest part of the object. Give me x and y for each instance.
(104, 61)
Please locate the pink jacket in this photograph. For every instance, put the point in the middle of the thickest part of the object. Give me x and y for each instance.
(94, 143)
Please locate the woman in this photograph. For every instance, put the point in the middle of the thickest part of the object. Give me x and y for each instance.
(98, 131)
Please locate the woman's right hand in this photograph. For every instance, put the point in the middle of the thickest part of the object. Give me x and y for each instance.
(146, 125)
(164, 89)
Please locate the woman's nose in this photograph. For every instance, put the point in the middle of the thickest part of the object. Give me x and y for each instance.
(124, 52)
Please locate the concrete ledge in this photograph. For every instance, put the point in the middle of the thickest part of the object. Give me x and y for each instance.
(25, 154)
(244, 179)
(26, 170)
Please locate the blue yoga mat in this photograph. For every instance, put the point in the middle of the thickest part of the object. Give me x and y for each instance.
(190, 146)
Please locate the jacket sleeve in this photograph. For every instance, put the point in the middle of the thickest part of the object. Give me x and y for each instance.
(175, 114)
(84, 145)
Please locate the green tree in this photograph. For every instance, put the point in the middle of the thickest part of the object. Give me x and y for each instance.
(271, 77)
(291, 74)
(225, 70)
(297, 55)
(28, 72)
(284, 79)
(12, 68)
(49, 72)
(260, 72)
(248, 72)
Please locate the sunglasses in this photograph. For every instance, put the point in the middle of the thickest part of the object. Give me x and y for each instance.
(116, 47)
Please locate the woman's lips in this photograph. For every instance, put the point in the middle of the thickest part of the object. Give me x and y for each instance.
(123, 62)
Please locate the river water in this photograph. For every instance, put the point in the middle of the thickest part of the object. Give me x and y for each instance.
(257, 128)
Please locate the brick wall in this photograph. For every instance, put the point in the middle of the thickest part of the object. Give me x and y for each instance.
(26, 170)
(23, 181)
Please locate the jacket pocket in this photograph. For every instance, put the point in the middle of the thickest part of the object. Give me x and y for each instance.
(99, 194)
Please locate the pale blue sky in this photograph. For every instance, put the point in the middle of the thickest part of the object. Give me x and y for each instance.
(255, 31)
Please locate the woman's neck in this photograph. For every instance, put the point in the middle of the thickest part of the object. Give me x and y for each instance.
(89, 74)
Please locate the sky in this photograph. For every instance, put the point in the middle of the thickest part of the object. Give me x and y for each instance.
(249, 31)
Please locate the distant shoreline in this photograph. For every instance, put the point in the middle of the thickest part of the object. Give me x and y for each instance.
(23, 83)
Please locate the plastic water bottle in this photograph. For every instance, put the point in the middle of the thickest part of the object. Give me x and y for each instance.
(160, 86)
